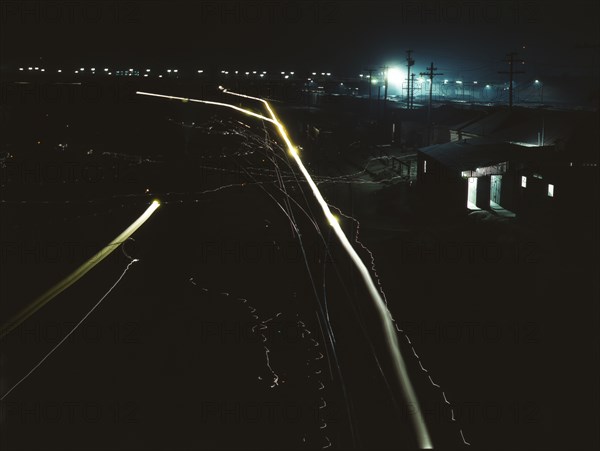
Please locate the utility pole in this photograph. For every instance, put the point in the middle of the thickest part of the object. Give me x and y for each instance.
(430, 73)
(385, 86)
(409, 62)
(412, 90)
(510, 59)
(370, 71)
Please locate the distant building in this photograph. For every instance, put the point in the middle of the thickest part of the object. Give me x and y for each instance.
(532, 163)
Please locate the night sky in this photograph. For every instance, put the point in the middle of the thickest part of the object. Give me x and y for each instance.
(463, 38)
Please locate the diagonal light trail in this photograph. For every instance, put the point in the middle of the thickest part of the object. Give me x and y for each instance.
(422, 434)
(42, 300)
(133, 260)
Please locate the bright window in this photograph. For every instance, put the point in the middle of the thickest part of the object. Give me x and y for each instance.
(425, 166)
(524, 182)
(550, 190)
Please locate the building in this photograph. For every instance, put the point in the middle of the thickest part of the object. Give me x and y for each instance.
(530, 162)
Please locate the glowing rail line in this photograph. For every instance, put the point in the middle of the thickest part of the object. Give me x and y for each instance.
(61, 286)
(423, 438)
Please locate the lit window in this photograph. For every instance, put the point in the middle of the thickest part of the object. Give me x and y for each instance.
(524, 182)
(550, 190)
(425, 166)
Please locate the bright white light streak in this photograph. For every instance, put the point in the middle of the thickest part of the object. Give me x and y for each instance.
(423, 437)
(386, 318)
(78, 273)
(208, 102)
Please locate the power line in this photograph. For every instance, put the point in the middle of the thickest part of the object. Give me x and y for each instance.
(370, 71)
(409, 62)
(430, 73)
(510, 59)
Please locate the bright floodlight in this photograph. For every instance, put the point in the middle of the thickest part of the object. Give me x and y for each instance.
(458, 82)
(537, 81)
(395, 76)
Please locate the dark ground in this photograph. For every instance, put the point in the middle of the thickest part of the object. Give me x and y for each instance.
(503, 315)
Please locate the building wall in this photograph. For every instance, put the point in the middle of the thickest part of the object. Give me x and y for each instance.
(441, 189)
(483, 192)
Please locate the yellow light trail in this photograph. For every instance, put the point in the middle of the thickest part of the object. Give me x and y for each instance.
(208, 102)
(42, 300)
(385, 316)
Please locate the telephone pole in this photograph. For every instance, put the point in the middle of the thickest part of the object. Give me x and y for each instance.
(412, 90)
(510, 59)
(409, 62)
(385, 79)
(430, 73)
(370, 71)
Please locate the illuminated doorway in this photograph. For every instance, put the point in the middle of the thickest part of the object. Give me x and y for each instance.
(495, 189)
(472, 193)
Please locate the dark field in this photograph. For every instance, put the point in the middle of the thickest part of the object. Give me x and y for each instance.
(502, 314)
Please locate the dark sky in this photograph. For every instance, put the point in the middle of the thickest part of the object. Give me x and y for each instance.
(462, 37)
